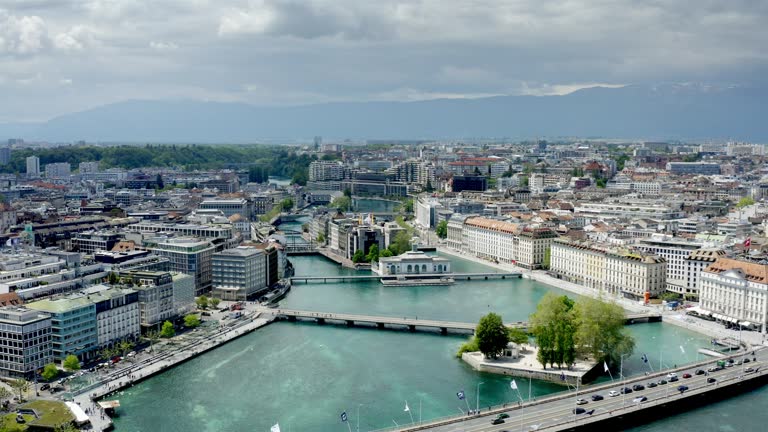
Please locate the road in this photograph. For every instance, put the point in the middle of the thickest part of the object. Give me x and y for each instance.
(558, 410)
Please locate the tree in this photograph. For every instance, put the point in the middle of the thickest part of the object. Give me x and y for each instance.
(401, 244)
(601, 183)
(406, 206)
(518, 336)
(342, 203)
(348, 192)
(428, 188)
(373, 253)
(442, 229)
(191, 321)
(214, 302)
(66, 427)
(320, 238)
(50, 372)
(358, 257)
(491, 335)
(159, 182)
(745, 202)
(547, 258)
(167, 331)
(385, 253)
(125, 347)
(21, 386)
(71, 363)
(202, 302)
(553, 325)
(4, 394)
(152, 336)
(600, 330)
(113, 278)
(523, 181)
(286, 204)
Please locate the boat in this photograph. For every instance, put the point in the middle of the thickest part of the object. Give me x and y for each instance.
(271, 298)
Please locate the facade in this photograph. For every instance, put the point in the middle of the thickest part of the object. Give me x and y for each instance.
(426, 211)
(33, 166)
(239, 274)
(74, 328)
(58, 170)
(88, 167)
(25, 341)
(90, 242)
(321, 171)
(5, 155)
(412, 262)
(229, 207)
(695, 263)
(191, 256)
(117, 314)
(675, 252)
(615, 272)
(183, 293)
(461, 183)
(156, 303)
(682, 168)
(492, 167)
(736, 293)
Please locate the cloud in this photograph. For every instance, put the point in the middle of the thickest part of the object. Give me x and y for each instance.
(22, 35)
(75, 39)
(163, 46)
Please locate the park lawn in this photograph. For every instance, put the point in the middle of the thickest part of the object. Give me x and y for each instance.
(52, 413)
(8, 423)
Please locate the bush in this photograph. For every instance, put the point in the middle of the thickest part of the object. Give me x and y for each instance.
(468, 346)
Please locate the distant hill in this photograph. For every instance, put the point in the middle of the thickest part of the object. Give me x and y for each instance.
(650, 112)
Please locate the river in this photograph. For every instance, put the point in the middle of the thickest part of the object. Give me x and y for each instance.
(304, 375)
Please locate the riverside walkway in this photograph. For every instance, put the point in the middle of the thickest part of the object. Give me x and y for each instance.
(556, 412)
(457, 276)
(406, 323)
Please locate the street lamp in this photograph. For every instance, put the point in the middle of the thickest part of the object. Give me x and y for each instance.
(477, 407)
(358, 417)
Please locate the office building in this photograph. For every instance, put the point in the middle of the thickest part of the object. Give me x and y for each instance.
(239, 274)
(155, 297)
(25, 341)
(683, 168)
(74, 328)
(188, 255)
(735, 293)
(5, 155)
(33, 166)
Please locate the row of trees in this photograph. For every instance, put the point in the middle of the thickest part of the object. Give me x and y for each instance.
(400, 245)
(203, 302)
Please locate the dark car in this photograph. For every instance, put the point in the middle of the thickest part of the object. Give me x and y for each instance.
(674, 379)
(746, 360)
(579, 410)
(497, 421)
(503, 416)
(45, 387)
(596, 398)
(626, 390)
(730, 360)
(687, 375)
(682, 388)
(711, 380)
(662, 382)
(652, 384)
(699, 372)
(638, 387)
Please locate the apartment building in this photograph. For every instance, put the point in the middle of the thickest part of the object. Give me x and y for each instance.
(695, 263)
(156, 303)
(320, 171)
(117, 314)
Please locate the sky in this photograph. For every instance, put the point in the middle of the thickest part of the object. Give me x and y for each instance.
(60, 56)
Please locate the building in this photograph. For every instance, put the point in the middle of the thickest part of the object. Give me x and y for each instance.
(90, 242)
(229, 207)
(156, 303)
(461, 183)
(735, 293)
(492, 167)
(675, 252)
(33, 166)
(695, 263)
(58, 170)
(412, 262)
(117, 314)
(25, 344)
(5, 155)
(628, 273)
(320, 171)
(426, 209)
(239, 274)
(88, 167)
(188, 255)
(683, 168)
(74, 328)
(183, 293)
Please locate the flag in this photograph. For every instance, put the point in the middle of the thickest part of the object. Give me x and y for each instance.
(605, 366)
(275, 428)
(590, 412)
(562, 376)
(748, 242)
(513, 384)
(645, 358)
(343, 417)
(460, 395)
(682, 350)
(406, 407)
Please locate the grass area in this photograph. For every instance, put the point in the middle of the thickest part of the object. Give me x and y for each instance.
(52, 413)
(8, 423)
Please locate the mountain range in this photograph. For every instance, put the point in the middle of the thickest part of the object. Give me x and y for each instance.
(670, 111)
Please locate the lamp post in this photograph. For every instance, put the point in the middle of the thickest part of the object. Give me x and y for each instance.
(477, 407)
(358, 417)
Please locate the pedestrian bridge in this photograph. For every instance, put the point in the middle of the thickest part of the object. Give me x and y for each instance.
(405, 323)
(455, 276)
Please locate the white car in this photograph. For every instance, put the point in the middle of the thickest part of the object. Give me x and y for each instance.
(581, 401)
(671, 374)
(613, 393)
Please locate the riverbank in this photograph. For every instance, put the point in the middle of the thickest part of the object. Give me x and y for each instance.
(113, 384)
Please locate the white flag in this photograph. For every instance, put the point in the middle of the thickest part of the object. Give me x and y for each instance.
(682, 349)
(406, 407)
(513, 384)
(275, 428)
(605, 366)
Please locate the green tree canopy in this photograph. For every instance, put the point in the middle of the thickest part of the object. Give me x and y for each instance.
(518, 336)
(442, 229)
(191, 320)
(545, 262)
(745, 202)
(71, 363)
(202, 302)
(373, 253)
(385, 253)
(342, 203)
(358, 257)
(21, 386)
(50, 372)
(286, 204)
(167, 331)
(401, 243)
(214, 302)
(491, 335)
(554, 326)
(600, 330)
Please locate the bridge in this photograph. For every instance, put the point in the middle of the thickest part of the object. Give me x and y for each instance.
(406, 323)
(556, 412)
(296, 244)
(456, 276)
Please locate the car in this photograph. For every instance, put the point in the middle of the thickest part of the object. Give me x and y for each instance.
(687, 375)
(639, 399)
(613, 393)
(131, 354)
(652, 384)
(749, 369)
(682, 388)
(729, 364)
(746, 360)
(711, 380)
(638, 387)
(597, 397)
(674, 379)
(713, 369)
(503, 416)
(626, 390)
(497, 421)
(738, 363)
(662, 382)
(45, 387)
(581, 401)
(730, 360)
(700, 372)
(579, 410)
(671, 374)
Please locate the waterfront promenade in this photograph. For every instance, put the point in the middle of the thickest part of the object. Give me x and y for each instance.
(110, 386)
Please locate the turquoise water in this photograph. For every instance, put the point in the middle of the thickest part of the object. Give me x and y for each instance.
(304, 375)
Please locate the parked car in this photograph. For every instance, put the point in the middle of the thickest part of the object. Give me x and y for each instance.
(45, 387)
(597, 397)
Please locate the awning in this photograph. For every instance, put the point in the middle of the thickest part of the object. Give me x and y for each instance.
(745, 324)
(717, 316)
(733, 320)
(705, 312)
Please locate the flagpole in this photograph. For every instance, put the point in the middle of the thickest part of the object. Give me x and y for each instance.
(409, 411)
(419, 410)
